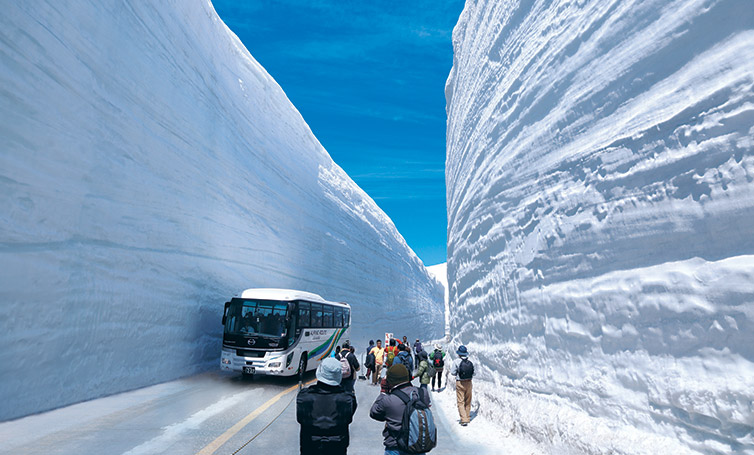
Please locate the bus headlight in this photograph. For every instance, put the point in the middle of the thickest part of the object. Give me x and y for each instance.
(226, 361)
(274, 364)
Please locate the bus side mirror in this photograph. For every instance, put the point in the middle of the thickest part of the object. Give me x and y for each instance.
(225, 312)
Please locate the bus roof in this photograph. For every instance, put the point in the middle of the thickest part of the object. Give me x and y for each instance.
(285, 295)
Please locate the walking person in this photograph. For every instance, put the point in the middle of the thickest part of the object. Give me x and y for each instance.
(390, 407)
(391, 351)
(349, 366)
(422, 371)
(437, 358)
(369, 361)
(418, 347)
(325, 410)
(404, 357)
(379, 356)
(463, 370)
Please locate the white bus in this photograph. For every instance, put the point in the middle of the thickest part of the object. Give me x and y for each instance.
(281, 332)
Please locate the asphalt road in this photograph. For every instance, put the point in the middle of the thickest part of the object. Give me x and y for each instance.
(207, 414)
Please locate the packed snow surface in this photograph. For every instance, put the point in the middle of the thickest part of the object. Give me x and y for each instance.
(150, 169)
(601, 220)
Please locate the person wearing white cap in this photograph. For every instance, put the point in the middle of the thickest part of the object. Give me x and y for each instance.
(324, 411)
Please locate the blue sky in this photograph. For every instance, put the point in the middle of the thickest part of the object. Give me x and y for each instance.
(369, 79)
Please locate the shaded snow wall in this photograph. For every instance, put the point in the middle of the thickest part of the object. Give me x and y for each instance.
(601, 219)
(149, 170)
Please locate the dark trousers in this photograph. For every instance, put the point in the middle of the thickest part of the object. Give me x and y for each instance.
(321, 445)
(347, 383)
(321, 449)
(437, 376)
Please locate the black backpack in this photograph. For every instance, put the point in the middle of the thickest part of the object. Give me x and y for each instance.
(437, 359)
(418, 433)
(465, 369)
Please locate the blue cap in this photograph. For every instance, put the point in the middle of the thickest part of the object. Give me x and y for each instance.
(462, 351)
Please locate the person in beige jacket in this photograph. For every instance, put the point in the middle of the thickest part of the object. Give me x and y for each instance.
(379, 361)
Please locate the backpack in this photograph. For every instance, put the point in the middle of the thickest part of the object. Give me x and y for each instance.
(418, 433)
(405, 360)
(465, 369)
(437, 359)
(345, 367)
(390, 357)
(431, 372)
(370, 361)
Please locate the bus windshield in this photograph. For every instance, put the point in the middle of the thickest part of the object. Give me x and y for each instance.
(256, 317)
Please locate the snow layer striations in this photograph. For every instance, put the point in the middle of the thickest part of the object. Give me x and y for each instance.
(150, 168)
(601, 220)
(440, 273)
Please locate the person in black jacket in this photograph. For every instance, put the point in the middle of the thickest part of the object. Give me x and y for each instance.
(348, 353)
(367, 362)
(324, 411)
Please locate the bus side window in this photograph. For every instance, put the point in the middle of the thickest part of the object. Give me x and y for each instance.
(327, 316)
(304, 312)
(316, 315)
(338, 317)
(347, 316)
(291, 329)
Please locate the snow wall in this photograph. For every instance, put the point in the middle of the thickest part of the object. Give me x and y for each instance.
(150, 169)
(601, 220)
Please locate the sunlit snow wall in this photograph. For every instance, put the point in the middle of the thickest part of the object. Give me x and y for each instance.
(601, 220)
(149, 170)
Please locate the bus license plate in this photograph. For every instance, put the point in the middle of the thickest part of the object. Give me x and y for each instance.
(248, 370)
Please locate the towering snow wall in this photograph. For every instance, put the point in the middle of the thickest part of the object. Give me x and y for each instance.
(150, 169)
(601, 219)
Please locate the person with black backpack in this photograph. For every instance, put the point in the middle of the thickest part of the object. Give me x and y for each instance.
(463, 370)
(325, 410)
(409, 424)
(437, 359)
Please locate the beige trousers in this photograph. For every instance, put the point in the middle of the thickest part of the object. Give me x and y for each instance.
(376, 373)
(463, 397)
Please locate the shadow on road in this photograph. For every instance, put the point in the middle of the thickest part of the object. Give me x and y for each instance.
(261, 379)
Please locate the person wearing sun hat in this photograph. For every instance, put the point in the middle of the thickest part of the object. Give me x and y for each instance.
(324, 411)
(389, 408)
(437, 359)
(463, 370)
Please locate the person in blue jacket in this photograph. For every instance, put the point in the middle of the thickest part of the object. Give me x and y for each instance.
(404, 357)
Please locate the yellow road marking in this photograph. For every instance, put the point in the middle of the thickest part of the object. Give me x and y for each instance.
(223, 438)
